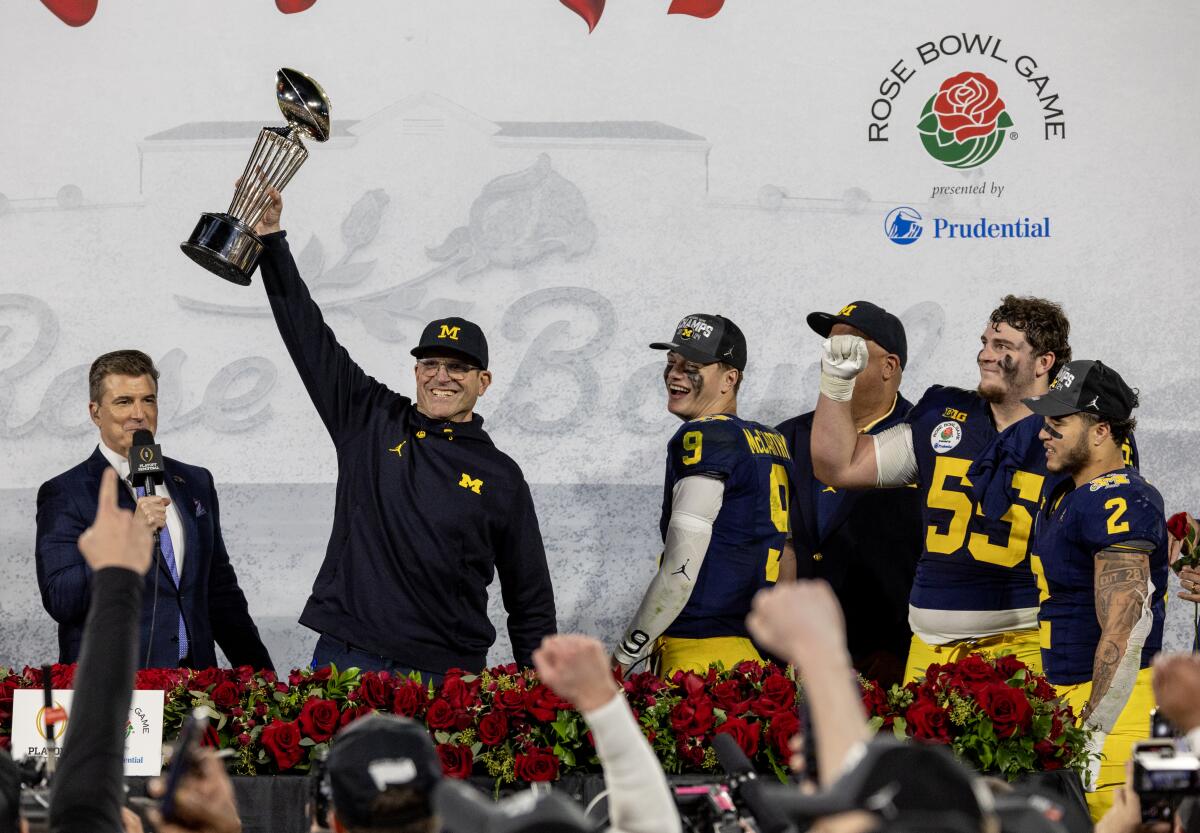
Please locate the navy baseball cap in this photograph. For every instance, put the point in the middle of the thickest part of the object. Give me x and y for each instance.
(374, 753)
(457, 334)
(881, 326)
(706, 339)
(1088, 386)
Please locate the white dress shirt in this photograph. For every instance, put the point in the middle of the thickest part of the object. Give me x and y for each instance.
(174, 524)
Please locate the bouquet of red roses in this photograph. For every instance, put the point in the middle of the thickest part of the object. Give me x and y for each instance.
(995, 713)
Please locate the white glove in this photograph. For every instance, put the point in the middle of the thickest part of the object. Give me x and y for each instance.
(842, 358)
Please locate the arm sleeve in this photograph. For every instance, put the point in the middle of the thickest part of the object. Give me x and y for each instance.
(233, 628)
(64, 578)
(639, 799)
(525, 583)
(88, 792)
(695, 503)
(895, 457)
(343, 394)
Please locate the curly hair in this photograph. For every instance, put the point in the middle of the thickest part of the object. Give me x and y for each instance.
(1043, 322)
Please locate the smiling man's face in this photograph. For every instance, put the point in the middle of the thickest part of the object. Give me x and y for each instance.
(448, 385)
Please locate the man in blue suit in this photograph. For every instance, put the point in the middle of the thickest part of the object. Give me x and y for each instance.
(192, 596)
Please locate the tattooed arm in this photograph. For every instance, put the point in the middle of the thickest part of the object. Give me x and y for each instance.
(1122, 587)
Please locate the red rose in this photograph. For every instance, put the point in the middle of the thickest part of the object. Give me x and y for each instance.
(539, 764)
(5, 742)
(225, 695)
(441, 715)
(691, 749)
(1043, 689)
(974, 668)
(1178, 526)
(746, 734)
(374, 691)
(778, 697)
(691, 683)
(63, 676)
(1009, 666)
(456, 759)
(968, 105)
(354, 713)
(729, 696)
(207, 677)
(210, 737)
(155, 679)
(493, 728)
(1047, 753)
(750, 669)
(874, 700)
(1007, 707)
(543, 704)
(928, 720)
(410, 699)
(458, 694)
(319, 719)
(693, 717)
(510, 700)
(780, 732)
(281, 739)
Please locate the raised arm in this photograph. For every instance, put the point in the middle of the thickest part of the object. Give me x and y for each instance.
(343, 394)
(695, 503)
(841, 456)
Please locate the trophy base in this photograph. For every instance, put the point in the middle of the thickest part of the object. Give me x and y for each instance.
(225, 246)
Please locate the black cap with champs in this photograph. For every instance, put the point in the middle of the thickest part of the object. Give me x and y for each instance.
(881, 326)
(374, 753)
(457, 334)
(705, 339)
(1087, 386)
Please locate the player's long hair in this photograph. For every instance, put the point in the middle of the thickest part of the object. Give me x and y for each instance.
(1043, 322)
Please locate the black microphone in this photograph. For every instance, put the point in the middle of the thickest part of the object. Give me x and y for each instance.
(744, 781)
(145, 461)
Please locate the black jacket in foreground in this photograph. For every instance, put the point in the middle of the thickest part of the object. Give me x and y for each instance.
(88, 788)
(426, 511)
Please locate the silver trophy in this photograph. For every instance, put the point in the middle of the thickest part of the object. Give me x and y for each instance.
(225, 244)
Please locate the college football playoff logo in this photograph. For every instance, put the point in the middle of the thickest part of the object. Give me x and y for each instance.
(964, 123)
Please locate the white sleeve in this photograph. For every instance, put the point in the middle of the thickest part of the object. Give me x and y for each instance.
(695, 503)
(895, 457)
(639, 800)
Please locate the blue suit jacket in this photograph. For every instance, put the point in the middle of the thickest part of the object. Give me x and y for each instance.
(213, 606)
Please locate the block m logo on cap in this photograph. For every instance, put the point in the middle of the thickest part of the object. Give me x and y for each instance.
(449, 332)
(848, 309)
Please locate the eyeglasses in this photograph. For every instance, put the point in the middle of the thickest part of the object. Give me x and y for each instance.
(455, 370)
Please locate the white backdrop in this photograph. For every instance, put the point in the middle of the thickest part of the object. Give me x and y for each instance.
(576, 195)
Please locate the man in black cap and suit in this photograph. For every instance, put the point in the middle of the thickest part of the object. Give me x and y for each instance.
(864, 543)
(428, 509)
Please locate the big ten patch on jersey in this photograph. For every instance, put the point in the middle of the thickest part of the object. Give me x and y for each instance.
(751, 528)
(1119, 512)
(971, 561)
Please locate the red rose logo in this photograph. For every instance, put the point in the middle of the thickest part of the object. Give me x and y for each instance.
(746, 734)
(493, 728)
(540, 764)
(456, 760)
(963, 124)
(319, 719)
(281, 739)
(1007, 707)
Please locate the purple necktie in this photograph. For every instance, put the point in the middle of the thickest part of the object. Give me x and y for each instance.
(168, 551)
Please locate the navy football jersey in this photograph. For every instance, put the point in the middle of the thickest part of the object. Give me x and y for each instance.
(971, 561)
(750, 530)
(1116, 510)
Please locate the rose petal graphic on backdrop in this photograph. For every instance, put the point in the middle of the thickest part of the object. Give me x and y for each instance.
(519, 218)
(589, 10)
(73, 12)
(696, 8)
(294, 6)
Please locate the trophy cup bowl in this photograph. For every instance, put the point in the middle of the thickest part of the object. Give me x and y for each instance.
(225, 243)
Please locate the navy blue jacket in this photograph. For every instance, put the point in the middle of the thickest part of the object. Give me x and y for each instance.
(866, 544)
(426, 513)
(212, 603)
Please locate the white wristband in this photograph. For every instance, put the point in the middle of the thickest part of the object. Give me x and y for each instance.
(839, 390)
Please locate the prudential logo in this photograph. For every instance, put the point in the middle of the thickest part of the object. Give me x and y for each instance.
(903, 225)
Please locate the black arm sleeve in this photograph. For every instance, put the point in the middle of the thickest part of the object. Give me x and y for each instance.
(87, 792)
(344, 395)
(525, 581)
